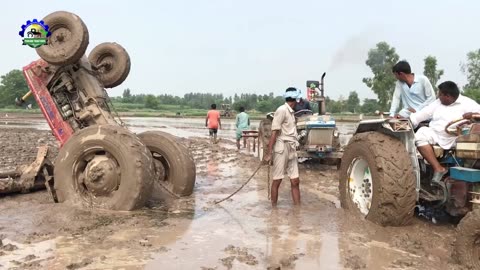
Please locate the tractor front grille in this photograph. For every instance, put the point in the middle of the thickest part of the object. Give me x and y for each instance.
(320, 136)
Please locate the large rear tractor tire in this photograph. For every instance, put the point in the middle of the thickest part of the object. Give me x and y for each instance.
(104, 166)
(68, 40)
(264, 134)
(174, 164)
(112, 63)
(467, 244)
(377, 180)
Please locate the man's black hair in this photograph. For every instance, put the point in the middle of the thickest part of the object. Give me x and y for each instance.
(290, 89)
(402, 66)
(449, 88)
(214, 106)
(242, 109)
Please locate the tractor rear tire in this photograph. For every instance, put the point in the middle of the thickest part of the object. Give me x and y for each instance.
(68, 40)
(467, 244)
(131, 164)
(387, 175)
(264, 134)
(117, 60)
(178, 171)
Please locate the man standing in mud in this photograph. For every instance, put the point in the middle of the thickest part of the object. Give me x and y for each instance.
(414, 91)
(213, 122)
(283, 145)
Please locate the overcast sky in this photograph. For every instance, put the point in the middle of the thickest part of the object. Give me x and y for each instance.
(226, 46)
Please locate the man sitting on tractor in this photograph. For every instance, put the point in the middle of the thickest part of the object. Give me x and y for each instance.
(302, 104)
(449, 106)
(413, 90)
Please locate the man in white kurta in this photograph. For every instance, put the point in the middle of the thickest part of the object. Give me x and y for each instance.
(449, 106)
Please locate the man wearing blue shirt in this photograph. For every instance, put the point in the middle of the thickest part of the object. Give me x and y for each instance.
(413, 90)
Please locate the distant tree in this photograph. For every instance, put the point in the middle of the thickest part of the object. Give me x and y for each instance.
(241, 103)
(472, 70)
(127, 96)
(353, 102)
(265, 106)
(151, 102)
(473, 93)
(12, 85)
(369, 106)
(430, 70)
(381, 59)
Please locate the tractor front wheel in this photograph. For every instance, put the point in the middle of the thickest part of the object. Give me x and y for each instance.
(68, 40)
(112, 63)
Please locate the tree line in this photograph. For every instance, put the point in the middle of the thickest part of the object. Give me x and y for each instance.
(380, 59)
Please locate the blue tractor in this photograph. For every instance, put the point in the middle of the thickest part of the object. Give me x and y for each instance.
(385, 180)
(317, 132)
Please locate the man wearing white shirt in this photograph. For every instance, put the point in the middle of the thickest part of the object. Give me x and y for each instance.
(449, 106)
(414, 91)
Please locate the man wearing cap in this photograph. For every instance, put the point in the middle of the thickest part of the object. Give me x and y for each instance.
(283, 145)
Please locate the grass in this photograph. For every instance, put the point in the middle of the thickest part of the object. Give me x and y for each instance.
(166, 110)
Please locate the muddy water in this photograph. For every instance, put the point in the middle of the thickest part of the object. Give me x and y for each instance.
(193, 233)
(182, 127)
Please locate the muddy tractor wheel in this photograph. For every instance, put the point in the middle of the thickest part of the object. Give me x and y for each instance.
(467, 244)
(264, 134)
(104, 166)
(377, 180)
(174, 165)
(68, 40)
(112, 63)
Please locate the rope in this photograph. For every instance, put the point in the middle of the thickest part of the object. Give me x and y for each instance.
(168, 191)
(240, 188)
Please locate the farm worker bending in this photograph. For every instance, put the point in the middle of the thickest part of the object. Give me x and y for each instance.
(413, 90)
(213, 122)
(283, 144)
(449, 106)
(242, 123)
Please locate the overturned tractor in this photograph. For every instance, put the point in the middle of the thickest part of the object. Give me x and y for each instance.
(101, 163)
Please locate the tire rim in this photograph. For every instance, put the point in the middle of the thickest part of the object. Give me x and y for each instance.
(162, 167)
(97, 174)
(360, 185)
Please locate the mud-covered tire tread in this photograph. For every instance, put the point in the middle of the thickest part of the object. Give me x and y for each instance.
(182, 165)
(264, 134)
(394, 194)
(77, 44)
(121, 64)
(467, 231)
(136, 185)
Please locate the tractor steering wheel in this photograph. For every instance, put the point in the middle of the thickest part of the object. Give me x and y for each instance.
(302, 112)
(454, 127)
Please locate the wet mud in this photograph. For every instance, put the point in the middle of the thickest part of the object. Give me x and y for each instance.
(243, 232)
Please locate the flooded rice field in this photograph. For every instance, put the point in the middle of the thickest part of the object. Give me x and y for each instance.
(243, 232)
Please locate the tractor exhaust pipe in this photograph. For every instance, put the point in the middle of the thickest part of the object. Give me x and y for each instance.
(321, 102)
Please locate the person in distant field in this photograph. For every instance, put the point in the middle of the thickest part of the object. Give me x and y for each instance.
(213, 122)
(413, 90)
(242, 123)
(283, 147)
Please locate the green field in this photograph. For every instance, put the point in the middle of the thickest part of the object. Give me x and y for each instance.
(139, 110)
